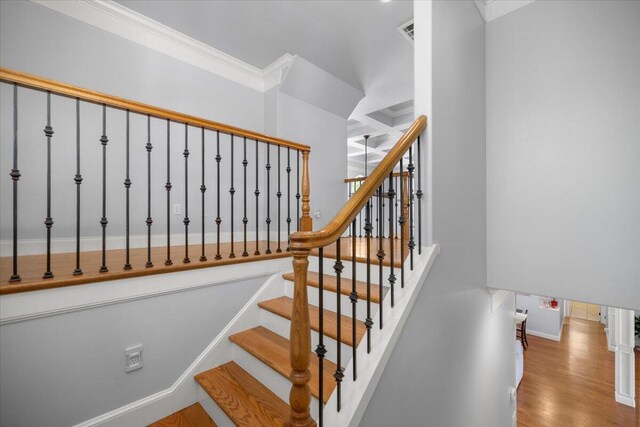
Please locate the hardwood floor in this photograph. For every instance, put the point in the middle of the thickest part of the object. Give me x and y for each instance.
(31, 267)
(571, 382)
(191, 416)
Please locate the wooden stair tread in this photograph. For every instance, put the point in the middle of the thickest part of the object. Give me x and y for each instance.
(273, 350)
(244, 399)
(191, 416)
(330, 283)
(283, 307)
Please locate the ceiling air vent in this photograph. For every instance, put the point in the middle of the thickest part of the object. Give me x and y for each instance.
(407, 30)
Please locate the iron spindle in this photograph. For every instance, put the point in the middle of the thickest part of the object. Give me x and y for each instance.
(298, 190)
(339, 374)
(401, 221)
(380, 254)
(367, 231)
(15, 176)
(268, 221)
(360, 224)
(396, 206)
(353, 297)
(48, 222)
(383, 196)
(244, 218)
(78, 180)
(186, 220)
(392, 243)
(127, 186)
(412, 244)
(257, 194)
(321, 351)
(218, 219)
(203, 189)
(419, 195)
(279, 196)
(288, 199)
(149, 220)
(232, 191)
(167, 187)
(103, 221)
(349, 198)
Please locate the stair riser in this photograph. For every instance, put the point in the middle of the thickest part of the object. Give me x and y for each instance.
(277, 383)
(361, 269)
(330, 301)
(213, 409)
(282, 326)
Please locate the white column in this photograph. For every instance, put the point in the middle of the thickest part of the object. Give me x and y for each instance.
(611, 328)
(625, 358)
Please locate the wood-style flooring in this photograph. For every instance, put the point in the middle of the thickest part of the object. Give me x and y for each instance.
(571, 382)
(191, 416)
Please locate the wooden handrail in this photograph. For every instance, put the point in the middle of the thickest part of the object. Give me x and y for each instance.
(307, 240)
(302, 243)
(64, 89)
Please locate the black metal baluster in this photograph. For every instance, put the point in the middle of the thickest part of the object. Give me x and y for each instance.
(353, 297)
(401, 221)
(232, 191)
(279, 196)
(127, 186)
(410, 169)
(149, 220)
(244, 218)
(186, 220)
(339, 374)
(360, 224)
(298, 190)
(380, 254)
(367, 232)
(396, 203)
(78, 180)
(383, 196)
(392, 243)
(321, 351)
(218, 219)
(48, 222)
(419, 195)
(268, 221)
(203, 189)
(167, 187)
(103, 221)
(257, 194)
(288, 199)
(349, 198)
(15, 176)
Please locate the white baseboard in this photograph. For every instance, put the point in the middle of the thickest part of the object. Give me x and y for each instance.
(185, 391)
(545, 335)
(625, 400)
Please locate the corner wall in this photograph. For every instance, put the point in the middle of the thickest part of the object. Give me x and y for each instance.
(455, 361)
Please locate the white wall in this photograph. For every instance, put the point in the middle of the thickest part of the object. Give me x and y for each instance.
(563, 125)
(37, 40)
(455, 361)
(64, 369)
(543, 322)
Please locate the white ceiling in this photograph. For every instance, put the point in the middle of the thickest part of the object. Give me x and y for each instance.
(356, 41)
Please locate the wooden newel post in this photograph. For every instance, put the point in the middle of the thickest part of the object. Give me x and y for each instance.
(300, 338)
(405, 206)
(306, 222)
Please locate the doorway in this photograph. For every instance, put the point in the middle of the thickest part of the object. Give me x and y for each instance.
(584, 311)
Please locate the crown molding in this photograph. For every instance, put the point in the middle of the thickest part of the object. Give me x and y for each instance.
(133, 26)
(494, 9)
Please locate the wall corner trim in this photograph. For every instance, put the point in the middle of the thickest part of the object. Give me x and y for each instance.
(116, 19)
(498, 297)
(492, 9)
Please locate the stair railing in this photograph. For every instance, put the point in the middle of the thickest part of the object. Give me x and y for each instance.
(199, 132)
(368, 196)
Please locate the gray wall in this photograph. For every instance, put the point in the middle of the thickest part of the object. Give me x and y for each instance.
(65, 369)
(541, 319)
(454, 362)
(37, 40)
(563, 151)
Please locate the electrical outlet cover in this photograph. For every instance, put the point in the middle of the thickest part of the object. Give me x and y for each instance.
(133, 358)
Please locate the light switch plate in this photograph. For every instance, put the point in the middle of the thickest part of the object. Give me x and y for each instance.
(133, 358)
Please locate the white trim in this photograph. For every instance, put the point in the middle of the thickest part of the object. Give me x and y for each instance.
(185, 391)
(625, 400)
(133, 26)
(545, 335)
(493, 9)
(50, 302)
(498, 297)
